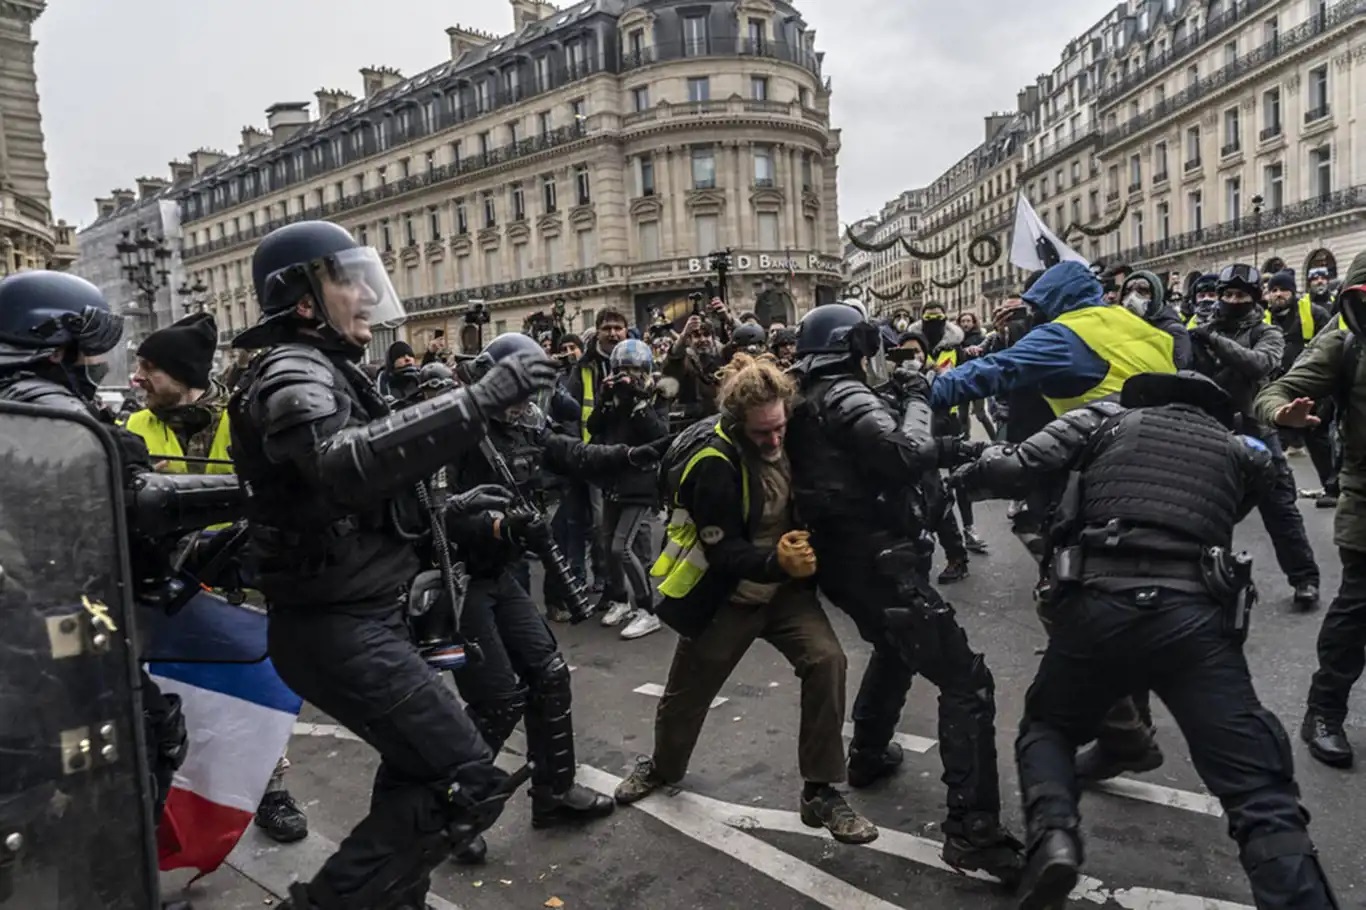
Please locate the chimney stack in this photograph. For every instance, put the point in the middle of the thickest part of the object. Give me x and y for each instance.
(150, 186)
(252, 137)
(464, 40)
(285, 118)
(332, 100)
(105, 206)
(204, 159)
(181, 171)
(123, 198)
(376, 79)
(525, 12)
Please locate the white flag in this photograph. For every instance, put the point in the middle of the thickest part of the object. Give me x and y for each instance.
(1032, 245)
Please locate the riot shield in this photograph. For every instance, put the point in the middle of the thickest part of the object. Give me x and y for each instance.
(76, 829)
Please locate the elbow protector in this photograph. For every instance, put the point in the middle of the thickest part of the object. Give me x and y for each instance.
(402, 448)
(168, 505)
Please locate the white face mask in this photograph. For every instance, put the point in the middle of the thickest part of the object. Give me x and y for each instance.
(1136, 304)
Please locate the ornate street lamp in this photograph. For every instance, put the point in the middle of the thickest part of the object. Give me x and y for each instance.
(192, 295)
(146, 264)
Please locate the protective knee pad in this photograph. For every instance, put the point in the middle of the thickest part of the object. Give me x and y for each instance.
(550, 725)
(496, 718)
(550, 691)
(1282, 865)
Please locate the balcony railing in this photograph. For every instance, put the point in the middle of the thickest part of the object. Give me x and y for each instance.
(1181, 49)
(502, 290)
(1191, 165)
(1135, 186)
(1112, 196)
(446, 172)
(764, 183)
(720, 47)
(1229, 150)
(1271, 132)
(1297, 37)
(1317, 113)
(1048, 151)
(1160, 176)
(1332, 204)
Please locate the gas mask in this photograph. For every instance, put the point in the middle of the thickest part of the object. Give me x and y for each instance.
(1136, 303)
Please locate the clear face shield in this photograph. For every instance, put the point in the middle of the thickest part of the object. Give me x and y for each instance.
(355, 294)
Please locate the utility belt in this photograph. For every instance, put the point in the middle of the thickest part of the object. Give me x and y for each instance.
(1224, 576)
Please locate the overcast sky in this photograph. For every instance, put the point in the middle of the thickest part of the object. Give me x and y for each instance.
(127, 85)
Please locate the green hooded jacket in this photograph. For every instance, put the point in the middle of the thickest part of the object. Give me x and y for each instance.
(1318, 373)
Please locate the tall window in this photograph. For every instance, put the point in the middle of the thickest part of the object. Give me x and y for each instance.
(808, 178)
(756, 34)
(576, 57)
(549, 199)
(1160, 161)
(758, 88)
(481, 96)
(1230, 52)
(636, 44)
(386, 237)
(462, 221)
(645, 176)
(1321, 171)
(648, 232)
(1271, 113)
(1192, 74)
(431, 161)
(1271, 30)
(543, 123)
(1136, 228)
(409, 230)
(1135, 172)
(694, 36)
(699, 88)
(1233, 198)
(578, 111)
(462, 271)
(1192, 148)
(512, 83)
(542, 73)
(1233, 132)
(587, 249)
(490, 211)
(1164, 221)
(514, 132)
(703, 168)
(518, 203)
(1195, 210)
(1273, 181)
(550, 254)
(768, 230)
(706, 233)
(640, 98)
(521, 259)
(763, 165)
(433, 223)
(490, 266)
(1317, 102)
(456, 153)
(484, 145)
(582, 185)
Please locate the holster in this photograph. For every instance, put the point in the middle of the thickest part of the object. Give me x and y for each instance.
(432, 618)
(1228, 579)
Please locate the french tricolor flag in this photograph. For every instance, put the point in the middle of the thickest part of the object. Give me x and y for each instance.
(239, 715)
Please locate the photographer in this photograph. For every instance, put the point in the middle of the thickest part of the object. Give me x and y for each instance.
(696, 356)
(436, 348)
(628, 415)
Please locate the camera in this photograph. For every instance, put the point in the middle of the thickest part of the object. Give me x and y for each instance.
(477, 314)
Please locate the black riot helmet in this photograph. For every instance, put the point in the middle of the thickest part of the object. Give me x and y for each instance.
(347, 283)
(1234, 281)
(436, 378)
(529, 413)
(836, 334)
(749, 335)
(45, 313)
(1150, 390)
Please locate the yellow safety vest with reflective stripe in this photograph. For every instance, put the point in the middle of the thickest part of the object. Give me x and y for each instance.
(1306, 318)
(948, 358)
(1124, 341)
(163, 444)
(682, 562)
(586, 410)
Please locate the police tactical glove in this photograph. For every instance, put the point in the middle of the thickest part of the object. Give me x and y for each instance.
(647, 456)
(483, 498)
(795, 555)
(1200, 333)
(511, 381)
(527, 530)
(911, 383)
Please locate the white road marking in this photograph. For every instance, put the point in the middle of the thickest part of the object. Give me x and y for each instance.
(655, 690)
(334, 730)
(682, 814)
(720, 825)
(1202, 803)
(275, 866)
(908, 741)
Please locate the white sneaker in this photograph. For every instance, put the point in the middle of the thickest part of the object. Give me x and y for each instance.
(641, 624)
(616, 612)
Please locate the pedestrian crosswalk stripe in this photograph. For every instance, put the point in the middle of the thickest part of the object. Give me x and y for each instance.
(907, 741)
(1202, 803)
(657, 691)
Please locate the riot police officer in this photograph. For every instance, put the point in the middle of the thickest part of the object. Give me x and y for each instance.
(854, 462)
(522, 673)
(1144, 593)
(333, 514)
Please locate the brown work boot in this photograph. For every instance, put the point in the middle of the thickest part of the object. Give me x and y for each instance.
(827, 808)
(640, 783)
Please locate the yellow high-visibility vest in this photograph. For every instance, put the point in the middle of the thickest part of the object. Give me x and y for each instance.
(1126, 342)
(163, 444)
(1306, 318)
(682, 562)
(948, 358)
(586, 411)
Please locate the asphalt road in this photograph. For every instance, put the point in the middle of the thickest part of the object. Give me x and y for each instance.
(731, 837)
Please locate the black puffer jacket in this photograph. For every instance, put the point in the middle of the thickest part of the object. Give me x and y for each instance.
(631, 421)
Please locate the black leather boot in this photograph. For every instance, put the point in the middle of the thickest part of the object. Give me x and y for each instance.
(980, 843)
(1326, 740)
(867, 768)
(575, 805)
(1051, 870)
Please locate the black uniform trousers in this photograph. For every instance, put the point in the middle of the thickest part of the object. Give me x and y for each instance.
(939, 652)
(1342, 641)
(1281, 515)
(521, 673)
(1105, 646)
(362, 669)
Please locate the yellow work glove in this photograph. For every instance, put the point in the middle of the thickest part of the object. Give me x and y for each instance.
(795, 555)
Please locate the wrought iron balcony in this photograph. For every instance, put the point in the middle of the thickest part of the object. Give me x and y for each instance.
(502, 290)
(1230, 149)
(1182, 49)
(446, 172)
(1135, 186)
(1297, 37)
(1112, 196)
(764, 183)
(1271, 132)
(1160, 176)
(1342, 201)
(1318, 113)
(721, 47)
(1191, 165)
(1048, 151)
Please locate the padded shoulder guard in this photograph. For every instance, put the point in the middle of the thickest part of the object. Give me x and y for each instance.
(849, 402)
(296, 385)
(29, 389)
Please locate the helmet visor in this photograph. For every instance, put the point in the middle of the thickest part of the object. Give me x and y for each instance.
(96, 331)
(356, 292)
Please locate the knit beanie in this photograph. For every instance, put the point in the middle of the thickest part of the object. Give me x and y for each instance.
(396, 350)
(184, 349)
(1281, 281)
